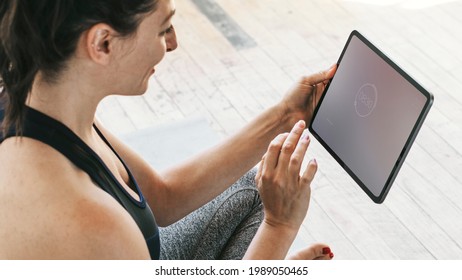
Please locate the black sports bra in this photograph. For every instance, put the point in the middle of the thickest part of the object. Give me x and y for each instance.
(55, 134)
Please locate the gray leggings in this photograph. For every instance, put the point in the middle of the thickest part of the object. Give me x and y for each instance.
(221, 229)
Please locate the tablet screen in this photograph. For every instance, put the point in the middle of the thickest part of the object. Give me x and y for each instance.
(369, 115)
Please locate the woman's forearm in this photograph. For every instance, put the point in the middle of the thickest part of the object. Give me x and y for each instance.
(199, 180)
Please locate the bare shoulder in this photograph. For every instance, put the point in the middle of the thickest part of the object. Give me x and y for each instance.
(49, 209)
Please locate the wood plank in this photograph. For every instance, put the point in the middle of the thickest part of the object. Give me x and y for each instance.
(323, 229)
(220, 76)
(225, 24)
(112, 115)
(257, 58)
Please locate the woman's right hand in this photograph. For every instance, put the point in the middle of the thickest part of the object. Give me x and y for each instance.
(286, 194)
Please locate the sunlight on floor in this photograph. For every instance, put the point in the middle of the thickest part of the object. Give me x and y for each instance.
(408, 4)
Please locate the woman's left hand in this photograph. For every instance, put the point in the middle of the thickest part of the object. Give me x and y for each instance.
(300, 102)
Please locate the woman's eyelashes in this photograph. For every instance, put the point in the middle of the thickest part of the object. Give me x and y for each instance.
(166, 31)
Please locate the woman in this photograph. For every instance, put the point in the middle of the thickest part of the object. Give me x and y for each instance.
(69, 189)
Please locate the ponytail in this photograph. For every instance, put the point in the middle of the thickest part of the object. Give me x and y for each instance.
(17, 63)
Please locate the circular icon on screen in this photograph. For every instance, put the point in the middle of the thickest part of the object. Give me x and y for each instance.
(366, 100)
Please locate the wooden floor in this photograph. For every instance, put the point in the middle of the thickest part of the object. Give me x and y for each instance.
(230, 79)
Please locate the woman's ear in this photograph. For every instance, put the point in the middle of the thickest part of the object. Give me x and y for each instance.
(99, 40)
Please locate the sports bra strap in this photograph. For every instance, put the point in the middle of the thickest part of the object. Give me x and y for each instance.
(47, 130)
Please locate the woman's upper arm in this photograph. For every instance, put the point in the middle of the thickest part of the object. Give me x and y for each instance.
(104, 230)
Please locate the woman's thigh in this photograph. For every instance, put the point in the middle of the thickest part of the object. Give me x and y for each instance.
(223, 228)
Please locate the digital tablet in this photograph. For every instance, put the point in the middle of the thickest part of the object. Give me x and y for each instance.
(369, 115)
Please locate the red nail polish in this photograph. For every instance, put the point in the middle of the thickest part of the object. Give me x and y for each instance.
(326, 251)
(331, 255)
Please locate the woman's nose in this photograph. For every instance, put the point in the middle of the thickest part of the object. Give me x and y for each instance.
(171, 41)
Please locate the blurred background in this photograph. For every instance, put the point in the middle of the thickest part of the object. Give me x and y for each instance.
(238, 57)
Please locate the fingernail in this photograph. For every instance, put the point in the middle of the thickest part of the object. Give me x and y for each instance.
(314, 161)
(301, 124)
(326, 251)
(305, 135)
(331, 255)
(333, 66)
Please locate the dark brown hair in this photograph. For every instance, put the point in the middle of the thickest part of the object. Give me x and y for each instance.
(41, 35)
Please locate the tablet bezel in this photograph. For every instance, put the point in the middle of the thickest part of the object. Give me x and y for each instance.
(405, 150)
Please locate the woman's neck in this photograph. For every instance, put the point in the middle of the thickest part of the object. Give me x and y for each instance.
(72, 103)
